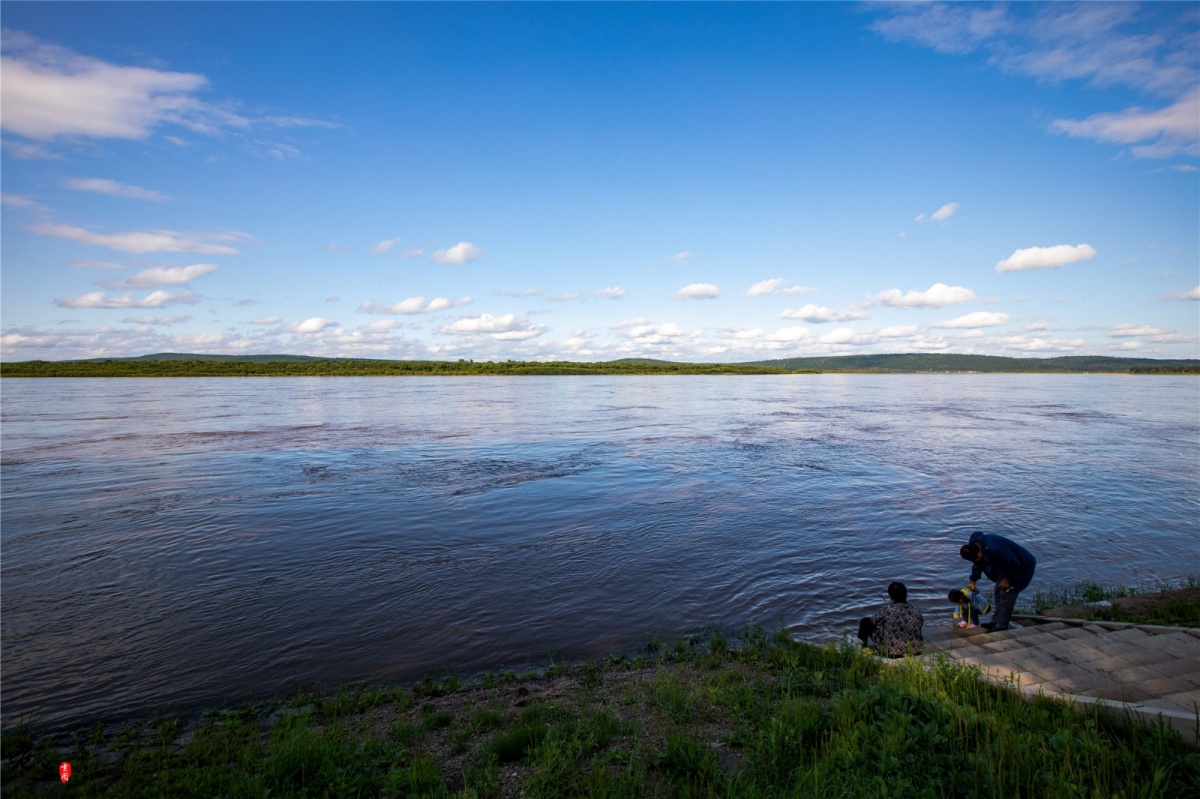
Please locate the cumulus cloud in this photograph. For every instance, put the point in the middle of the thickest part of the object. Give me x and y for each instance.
(98, 299)
(168, 275)
(266, 320)
(790, 334)
(385, 246)
(414, 305)
(1193, 294)
(776, 285)
(698, 291)
(508, 327)
(1045, 257)
(647, 332)
(974, 320)
(611, 293)
(820, 314)
(114, 189)
(460, 253)
(899, 331)
(939, 295)
(141, 242)
(316, 324)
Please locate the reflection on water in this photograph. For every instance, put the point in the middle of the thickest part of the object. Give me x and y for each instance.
(173, 543)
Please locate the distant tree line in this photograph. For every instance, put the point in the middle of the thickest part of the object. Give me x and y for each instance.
(120, 367)
(182, 365)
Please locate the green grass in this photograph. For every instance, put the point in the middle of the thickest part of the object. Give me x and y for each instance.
(1171, 608)
(757, 715)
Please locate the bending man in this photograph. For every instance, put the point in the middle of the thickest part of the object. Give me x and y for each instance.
(1007, 564)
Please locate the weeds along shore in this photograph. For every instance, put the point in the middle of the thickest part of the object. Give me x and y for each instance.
(751, 716)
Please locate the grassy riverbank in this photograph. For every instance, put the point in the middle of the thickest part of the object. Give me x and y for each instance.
(769, 717)
(1150, 603)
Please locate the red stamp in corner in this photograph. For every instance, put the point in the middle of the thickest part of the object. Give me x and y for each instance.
(64, 771)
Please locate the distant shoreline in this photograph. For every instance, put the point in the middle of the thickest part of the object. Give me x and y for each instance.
(185, 365)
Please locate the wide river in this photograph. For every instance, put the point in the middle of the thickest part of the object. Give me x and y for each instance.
(175, 543)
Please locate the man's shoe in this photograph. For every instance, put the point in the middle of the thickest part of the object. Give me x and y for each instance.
(987, 625)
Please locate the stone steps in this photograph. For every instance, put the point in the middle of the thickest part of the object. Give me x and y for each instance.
(1142, 671)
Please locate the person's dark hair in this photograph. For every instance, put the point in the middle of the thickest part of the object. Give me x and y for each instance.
(957, 596)
(970, 551)
(898, 592)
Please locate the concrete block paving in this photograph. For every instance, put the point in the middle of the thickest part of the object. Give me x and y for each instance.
(1144, 671)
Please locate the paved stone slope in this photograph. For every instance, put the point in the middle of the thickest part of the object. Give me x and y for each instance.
(1152, 672)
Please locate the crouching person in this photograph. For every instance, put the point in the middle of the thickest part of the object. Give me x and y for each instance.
(895, 631)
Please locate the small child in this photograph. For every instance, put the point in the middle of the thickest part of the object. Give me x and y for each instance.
(971, 605)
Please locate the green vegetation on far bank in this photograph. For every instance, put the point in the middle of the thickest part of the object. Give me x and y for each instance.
(762, 716)
(184, 365)
(201, 366)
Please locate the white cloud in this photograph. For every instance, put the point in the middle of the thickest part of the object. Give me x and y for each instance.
(1193, 294)
(168, 275)
(843, 335)
(266, 320)
(1045, 257)
(414, 305)
(944, 213)
(98, 299)
(698, 291)
(939, 295)
(776, 285)
(612, 293)
(571, 295)
(680, 257)
(1127, 330)
(747, 335)
(790, 334)
(1103, 43)
(145, 241)
(821, 314)
(1157, 133)
(114, 189)
(16, 201)
(899, 331)
(651, 331)
(1059, 41)
(385, 246)
(502, 328)
(49, 91)
(316, 324)
(86, 263)
(157, 320)
(460, 253)
(974, 320)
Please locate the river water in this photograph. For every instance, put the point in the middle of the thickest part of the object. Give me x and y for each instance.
(169, 544)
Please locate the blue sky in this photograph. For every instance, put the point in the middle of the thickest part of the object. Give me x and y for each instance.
(696, 182)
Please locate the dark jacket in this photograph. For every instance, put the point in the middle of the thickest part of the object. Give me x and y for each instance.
(1003, 558)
